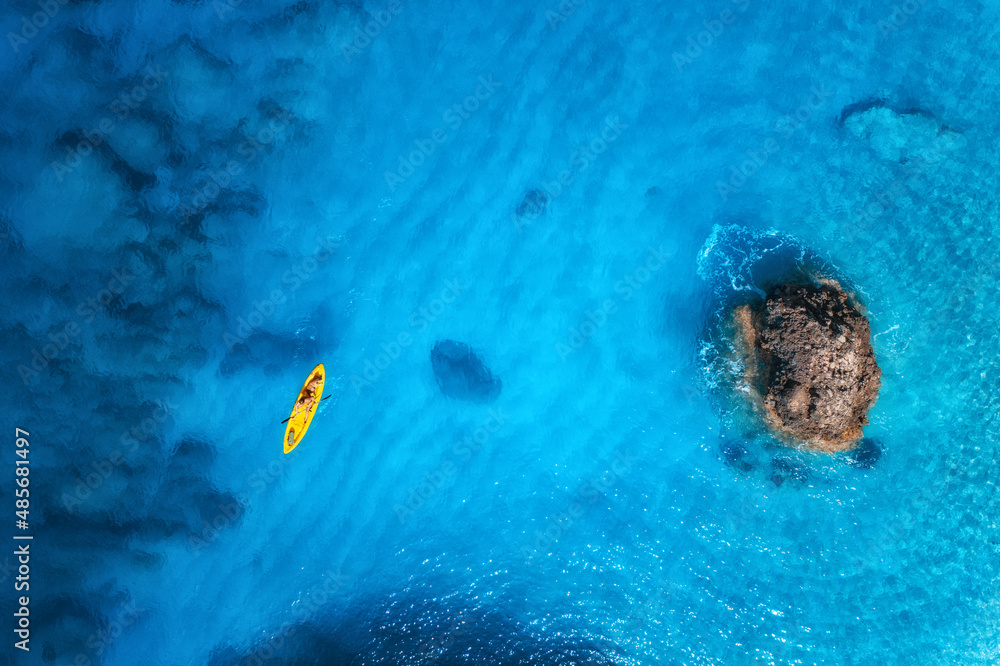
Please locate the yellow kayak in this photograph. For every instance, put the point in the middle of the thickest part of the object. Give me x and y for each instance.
(305, 407)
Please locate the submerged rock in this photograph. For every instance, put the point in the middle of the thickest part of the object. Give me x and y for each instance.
(900, 135)
(784, 469)
(533, 205)
(811, 360)
(866, 454)
(736, 456)
(461, 373)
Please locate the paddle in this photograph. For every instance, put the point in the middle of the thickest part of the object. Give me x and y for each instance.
(326, 398)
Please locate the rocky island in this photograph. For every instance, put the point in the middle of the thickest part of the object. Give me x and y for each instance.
(810, 365)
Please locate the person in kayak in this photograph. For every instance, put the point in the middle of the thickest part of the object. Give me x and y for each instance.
(307, 398)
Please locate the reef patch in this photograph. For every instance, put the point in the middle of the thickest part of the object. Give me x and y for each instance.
(461, 373)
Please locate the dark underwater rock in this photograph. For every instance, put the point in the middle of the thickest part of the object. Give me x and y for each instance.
(866, 455)
(859, 108)
(811, 359)
(462, 374)
(900, 134)
(533, 204)
(784, 469)
(736, 456)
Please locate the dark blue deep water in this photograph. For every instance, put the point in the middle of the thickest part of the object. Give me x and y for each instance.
(508, 230)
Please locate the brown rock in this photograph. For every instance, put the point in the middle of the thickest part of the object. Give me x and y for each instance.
(812, 361)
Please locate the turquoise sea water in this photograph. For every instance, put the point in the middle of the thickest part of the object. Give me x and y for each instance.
(275, 190)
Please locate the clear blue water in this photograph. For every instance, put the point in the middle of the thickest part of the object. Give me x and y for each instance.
(586, 515)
